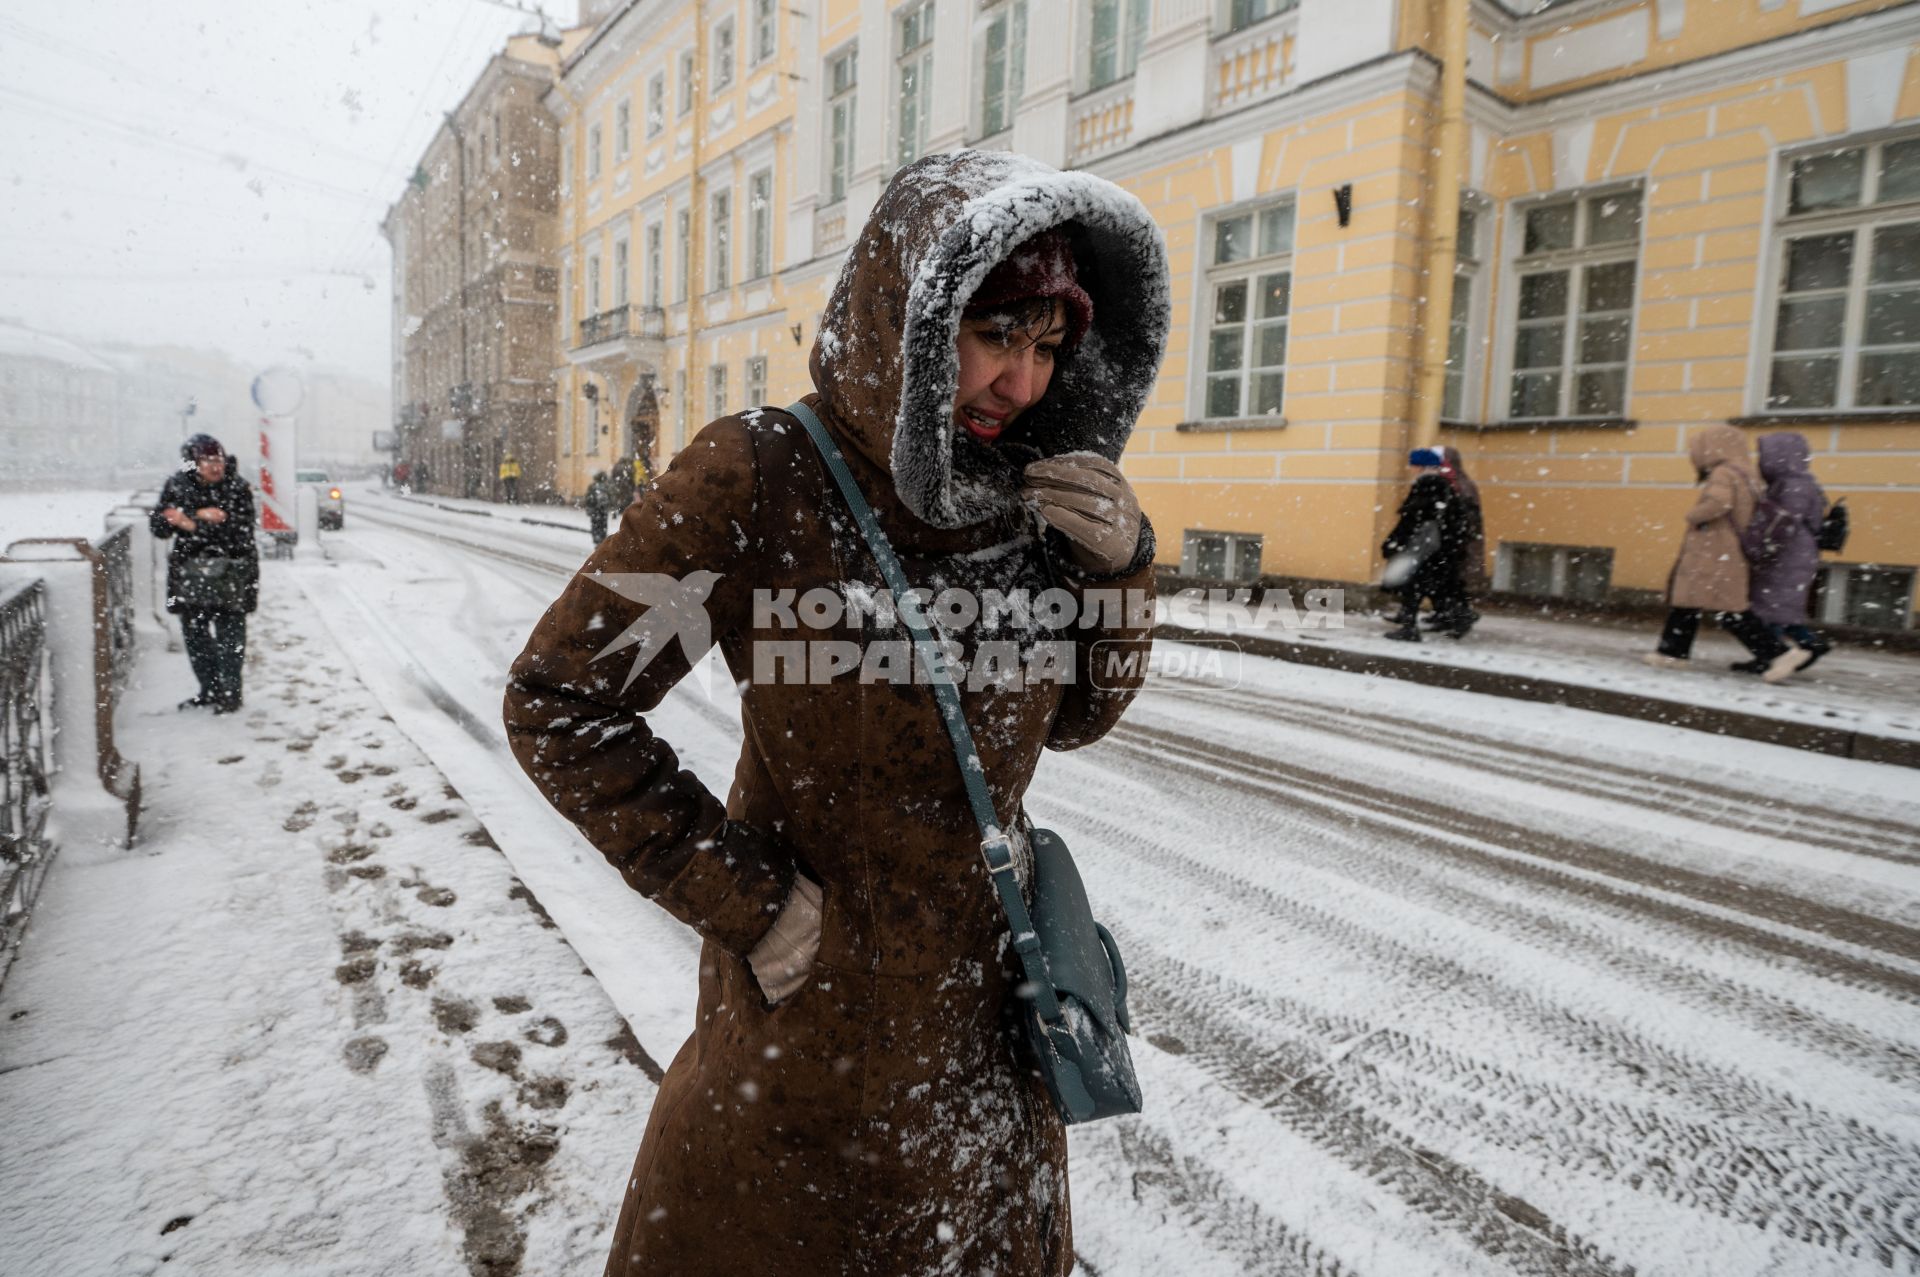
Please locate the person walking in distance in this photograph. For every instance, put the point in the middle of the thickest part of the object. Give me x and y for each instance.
(1788, 557)
(510, 478)
(1439, 546)
(598, 502)
(851, 1101)
(1710, 574)
(213, 568)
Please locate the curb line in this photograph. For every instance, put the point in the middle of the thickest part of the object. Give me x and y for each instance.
(1838, 741)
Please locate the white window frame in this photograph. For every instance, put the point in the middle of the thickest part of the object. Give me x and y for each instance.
(595, 138)
(656, 287)
(842, 99)
(622, 130)
(756, 381)
(594, 295)
(913, 110)
(725, 58)
(656, 103)
(1470, 278)
(720, 238)
(766, 31)
(716, 392)
(1248, 270)
(622, 271)
(683, 253)
(1004, 21)
(1130, 33)
(1575, 262)
(1861, 220)
(688, 94)
(760, 224)
(1238, 15)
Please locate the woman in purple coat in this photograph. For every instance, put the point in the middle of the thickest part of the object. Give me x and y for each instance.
(1781, 584)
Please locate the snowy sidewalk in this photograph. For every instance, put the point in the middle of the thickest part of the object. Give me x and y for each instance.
(1855, 702)
(312, 1023)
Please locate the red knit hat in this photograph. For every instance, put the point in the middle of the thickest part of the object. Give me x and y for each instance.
(1040, 267)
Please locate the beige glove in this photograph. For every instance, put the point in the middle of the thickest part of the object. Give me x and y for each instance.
(783, 959)
(1087, 498)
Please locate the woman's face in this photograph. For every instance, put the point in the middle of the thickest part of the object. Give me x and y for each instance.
(1004, 369)
(212, 469)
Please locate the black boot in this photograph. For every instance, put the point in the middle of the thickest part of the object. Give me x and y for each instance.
(1748, 667)
(199, 700)
(1408, 633)
(1816, 649)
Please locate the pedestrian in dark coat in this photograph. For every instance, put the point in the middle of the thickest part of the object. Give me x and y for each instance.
(1782, 584)
(598, 502)
(851, 1101)
(1710, 574)
(213, 569)
(1439, 519)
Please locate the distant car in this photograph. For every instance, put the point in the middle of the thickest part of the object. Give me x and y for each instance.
(333, 504)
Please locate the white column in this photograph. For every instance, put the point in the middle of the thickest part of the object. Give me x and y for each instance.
(1171, 85)
(872, 138)
(1042, 123)
(953, 73)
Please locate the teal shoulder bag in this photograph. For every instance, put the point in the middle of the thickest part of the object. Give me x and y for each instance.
(1075, 1023)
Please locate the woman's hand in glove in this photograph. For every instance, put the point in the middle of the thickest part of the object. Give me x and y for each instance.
(1087, 498)
(783, 959)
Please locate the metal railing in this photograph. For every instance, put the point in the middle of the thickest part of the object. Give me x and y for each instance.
(116, 565)
(624, 321)
(25, 850)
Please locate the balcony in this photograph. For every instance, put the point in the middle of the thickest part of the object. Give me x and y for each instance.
(623, 336)
(1253, 63)
(1102, 121)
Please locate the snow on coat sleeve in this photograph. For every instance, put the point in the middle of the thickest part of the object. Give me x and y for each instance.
(1110, 659)
(578, 726)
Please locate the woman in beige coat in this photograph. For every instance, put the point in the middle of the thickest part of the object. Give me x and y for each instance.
(1711, 573)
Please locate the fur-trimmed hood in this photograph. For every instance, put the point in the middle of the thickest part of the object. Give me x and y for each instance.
(885, 361)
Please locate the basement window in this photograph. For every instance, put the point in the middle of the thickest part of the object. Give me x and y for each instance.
(1220, 556)
(1874, 596)
(1579, 572)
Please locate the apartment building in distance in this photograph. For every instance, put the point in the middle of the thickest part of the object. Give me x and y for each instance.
(1672, 213)
(474, 285)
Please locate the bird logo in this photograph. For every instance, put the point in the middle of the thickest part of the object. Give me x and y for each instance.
(676, 608)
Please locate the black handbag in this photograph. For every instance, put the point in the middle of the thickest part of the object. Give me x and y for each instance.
(213, 582)
(1075, 1020)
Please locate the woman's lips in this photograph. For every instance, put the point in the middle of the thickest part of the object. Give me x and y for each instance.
(983, 428)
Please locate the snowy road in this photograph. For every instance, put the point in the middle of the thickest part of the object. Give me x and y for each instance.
(1426, 982)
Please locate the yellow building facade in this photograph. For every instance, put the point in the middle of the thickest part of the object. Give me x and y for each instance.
(1674, 213)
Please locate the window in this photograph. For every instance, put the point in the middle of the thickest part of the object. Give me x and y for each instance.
(1220, 556)
(686, 81)
(1846, 329)
(1574, 325)
(593, 152)
(717, 391)
(497, 131)
(593, 284)
(722, 56)
(656, 103)
(756, 381)
(913, 68)
(622, 131)
(1118, 29)
(721, 212)
(760, 224)
(842, 73)
(1003, 69)
(1250, 284)
(622, 261)
(1460, 343)
(1875, 596)
(683, 253)
(766, 30)
(655, 268)
(1244, 13)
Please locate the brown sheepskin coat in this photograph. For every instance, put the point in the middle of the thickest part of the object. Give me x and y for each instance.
(1711, 572)
(878, 1121)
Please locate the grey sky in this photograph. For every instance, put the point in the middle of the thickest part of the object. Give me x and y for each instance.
(215, 173)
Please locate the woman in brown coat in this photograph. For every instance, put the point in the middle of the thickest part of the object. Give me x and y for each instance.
(1711, 573)
(851, 1100)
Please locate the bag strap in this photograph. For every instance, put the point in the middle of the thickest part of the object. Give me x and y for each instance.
(995, 846)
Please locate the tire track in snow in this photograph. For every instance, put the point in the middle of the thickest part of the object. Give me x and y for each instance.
(1798, 819)
(1379, 865)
